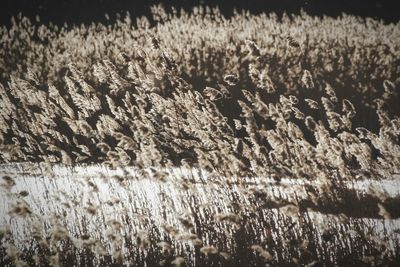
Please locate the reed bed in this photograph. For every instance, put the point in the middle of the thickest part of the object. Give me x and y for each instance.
(97, 216)
(249, 102)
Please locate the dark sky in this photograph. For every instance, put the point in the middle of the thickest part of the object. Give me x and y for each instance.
(86, 11)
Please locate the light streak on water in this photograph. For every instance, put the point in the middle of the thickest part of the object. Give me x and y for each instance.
(87, 199)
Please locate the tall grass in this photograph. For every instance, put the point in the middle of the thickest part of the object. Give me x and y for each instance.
(135, 94)
(312, 95)
(247, 96)
(95, 216)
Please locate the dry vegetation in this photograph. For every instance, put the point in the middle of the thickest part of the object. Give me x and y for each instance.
(248, 96)
(299, 97)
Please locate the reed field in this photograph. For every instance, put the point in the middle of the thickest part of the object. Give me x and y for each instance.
(191, 139)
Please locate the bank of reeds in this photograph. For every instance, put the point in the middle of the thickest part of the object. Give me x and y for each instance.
(247, 96)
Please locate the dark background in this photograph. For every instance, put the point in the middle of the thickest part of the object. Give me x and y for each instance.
(86, 11)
